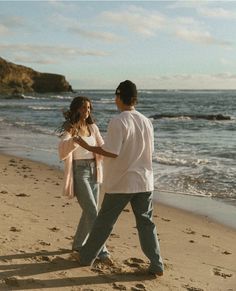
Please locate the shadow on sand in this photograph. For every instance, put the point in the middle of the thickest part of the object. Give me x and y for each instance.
(40, 263)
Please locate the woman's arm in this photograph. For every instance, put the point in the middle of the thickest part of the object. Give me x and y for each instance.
(94, 149)
(66, 146)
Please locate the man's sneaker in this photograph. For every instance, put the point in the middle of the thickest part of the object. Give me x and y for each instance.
(155, 273)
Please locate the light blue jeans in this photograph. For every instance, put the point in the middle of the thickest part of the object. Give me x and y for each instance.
(86, 190)
(111, 208)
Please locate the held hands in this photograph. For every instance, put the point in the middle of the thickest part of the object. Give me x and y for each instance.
(81, 142)
(95, 149)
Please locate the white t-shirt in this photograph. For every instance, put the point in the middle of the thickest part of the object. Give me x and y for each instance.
(130, 136)
(81, 153)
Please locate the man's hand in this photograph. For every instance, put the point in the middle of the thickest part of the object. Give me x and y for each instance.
(96, 150)
(82, 143)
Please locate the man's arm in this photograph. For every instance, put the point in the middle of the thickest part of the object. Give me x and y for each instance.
(96, 150)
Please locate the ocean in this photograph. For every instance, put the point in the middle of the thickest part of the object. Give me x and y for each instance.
(195, 135)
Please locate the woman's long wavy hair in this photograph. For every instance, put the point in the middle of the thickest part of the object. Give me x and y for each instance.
(72, 116)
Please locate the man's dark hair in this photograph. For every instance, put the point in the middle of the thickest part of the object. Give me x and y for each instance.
(127, 92)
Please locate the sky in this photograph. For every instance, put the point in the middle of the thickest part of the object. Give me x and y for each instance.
(98, 44)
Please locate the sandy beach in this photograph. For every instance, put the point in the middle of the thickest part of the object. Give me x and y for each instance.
(37, 225)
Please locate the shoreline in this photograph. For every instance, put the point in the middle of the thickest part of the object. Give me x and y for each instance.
(37, 227)
(217, 210)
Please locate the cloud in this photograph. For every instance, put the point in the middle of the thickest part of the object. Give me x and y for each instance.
(3, 29)
(20, 58)
(62, 5)
(219, 13)
(193, 30)
(199, 36)
(147, 24)
(225, 80)
(45, 54)
(12, 21)
(172, 82)
(226, 62)
(72, 25)
(185, 21)
(180, 4)
(9, 23)
(60, 20)
(205, 8)
(103, 36)
(190, 77)
(225, 76)
(175, 77)
(137, 20)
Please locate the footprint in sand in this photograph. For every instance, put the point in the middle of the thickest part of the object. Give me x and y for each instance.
(3, 192)
(206, 235)
(165, 219)
(66, 204)
(22, 195)
(42, 259)
(226, 253)
(218, 272)
(68, 237)
(104, 268)
(43, 243)
(54, 229)
(189, 231)
(168, 266)
(139, 287)
(134, 262)
(12, 163)
(24, 167)
(118, 286)
(114, 235)
(14, 229)
(190, 288)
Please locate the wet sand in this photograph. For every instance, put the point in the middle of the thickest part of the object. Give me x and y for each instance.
(38, 223)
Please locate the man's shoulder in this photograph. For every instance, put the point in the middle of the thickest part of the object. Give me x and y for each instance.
(117, 117)
(125, 115)
(114, 121)
(141, 116)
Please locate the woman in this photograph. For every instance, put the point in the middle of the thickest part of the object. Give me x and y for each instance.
(82, 169)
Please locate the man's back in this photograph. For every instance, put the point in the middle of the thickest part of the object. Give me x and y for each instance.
(130, 136)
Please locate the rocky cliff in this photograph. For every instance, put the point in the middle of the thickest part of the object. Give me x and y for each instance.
(17, 79)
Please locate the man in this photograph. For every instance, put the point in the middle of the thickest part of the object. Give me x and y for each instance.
(128, 178)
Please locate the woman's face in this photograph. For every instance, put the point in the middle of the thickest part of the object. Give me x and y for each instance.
(84, 110)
